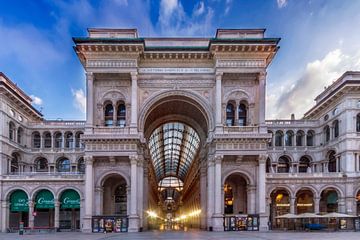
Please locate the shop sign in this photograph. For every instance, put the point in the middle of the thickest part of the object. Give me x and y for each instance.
(45, 200)
(19, 202)
(70, 199)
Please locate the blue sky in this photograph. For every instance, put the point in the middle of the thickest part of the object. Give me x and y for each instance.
(320, 40)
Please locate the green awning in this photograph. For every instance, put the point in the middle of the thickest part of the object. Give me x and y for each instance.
(70, 199)
(44, 200)
(332, 198)
(19, 201)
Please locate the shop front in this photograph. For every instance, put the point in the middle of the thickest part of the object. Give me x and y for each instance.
(241, 223)
(44, 210)
(110, 224)
(19, 209)
(69, 216)
(280, 205)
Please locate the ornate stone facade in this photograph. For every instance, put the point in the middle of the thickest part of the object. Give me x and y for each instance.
(217, 87)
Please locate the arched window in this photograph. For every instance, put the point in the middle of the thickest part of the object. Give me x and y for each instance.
(327, 133)
(358, 122)
(278, 138)
(121, 115)
(336, 128)
(310, 138)
(63, 165)
(20, 133)
(14, 163)
(81, 165)
(78, 143)
(268, 165)
(289, 138)
(304, 164)
(230, 115)
(58, 140)
(41, 165)
(283, 165)
(270, 144)
(36, 140)
(242, 114)
(69, 140)
(109, 115)
(11, 131)
(47, 140)
(300, 138)
(331, 161)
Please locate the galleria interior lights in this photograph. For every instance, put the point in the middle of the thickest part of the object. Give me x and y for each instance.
(191, 214)
(152, 214)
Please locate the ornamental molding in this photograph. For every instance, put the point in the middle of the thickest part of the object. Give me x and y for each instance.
(176, 70)
(111, 63)
(256, 63)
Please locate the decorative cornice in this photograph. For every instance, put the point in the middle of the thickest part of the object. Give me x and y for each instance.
(259, 63)
(111, 63)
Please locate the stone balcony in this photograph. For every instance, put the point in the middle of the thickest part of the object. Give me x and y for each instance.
(58, 123)
(44, 176)
(305, 175)
(291, 123)
(237, 131)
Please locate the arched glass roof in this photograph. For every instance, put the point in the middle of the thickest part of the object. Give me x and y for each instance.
(173, 147)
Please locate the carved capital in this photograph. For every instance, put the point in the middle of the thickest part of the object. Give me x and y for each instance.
(89, 76)
(133, 159)
(262, 158)
(262, 75)
(134, 75)
(219, 75)
(218, 159)
(88, 160)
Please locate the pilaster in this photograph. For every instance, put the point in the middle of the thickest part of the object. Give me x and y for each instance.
(89, 189)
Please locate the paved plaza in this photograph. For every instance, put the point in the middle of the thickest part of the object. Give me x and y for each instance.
(189, 235)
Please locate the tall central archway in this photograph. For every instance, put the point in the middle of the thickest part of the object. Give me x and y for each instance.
(176, 126)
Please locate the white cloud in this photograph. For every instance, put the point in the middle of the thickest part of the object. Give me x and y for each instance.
(79, 99)
(199, 9)
(282, 3)
(227, 6)
(36, 100)
(174, 21)
(298, 97)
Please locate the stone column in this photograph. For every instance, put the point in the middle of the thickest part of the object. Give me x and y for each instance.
(210, 191)
(317, 205)
(4, 215)
(292, 205)
(31, 214)
(218, 99)
(218, 216)
(262, 192)
(251, 199)
(203, 195)
(140, 189)
(262, 95)
(89, 99)
(145, 201)
(133, 217)
(57, 214)
(89, 189)
(134, 98)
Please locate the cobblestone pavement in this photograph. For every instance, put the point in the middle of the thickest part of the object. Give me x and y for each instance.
(201, 235)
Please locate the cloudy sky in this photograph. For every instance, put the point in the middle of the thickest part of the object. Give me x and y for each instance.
(320, 41)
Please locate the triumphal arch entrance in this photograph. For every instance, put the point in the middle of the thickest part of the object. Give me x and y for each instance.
(175, 133)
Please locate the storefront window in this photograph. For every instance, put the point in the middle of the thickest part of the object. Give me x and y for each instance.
(304, 202)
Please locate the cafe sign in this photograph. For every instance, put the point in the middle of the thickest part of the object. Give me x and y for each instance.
(70, 199)
(19, 202)
(44, 200)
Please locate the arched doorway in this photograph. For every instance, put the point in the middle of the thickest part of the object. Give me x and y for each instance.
(44, 209)
(19, 209)
(235, 195)
(69, 216)
(304, 201)
(358, 203)
(280, 205)
(329, 201)
(176, 126)
(115, 195)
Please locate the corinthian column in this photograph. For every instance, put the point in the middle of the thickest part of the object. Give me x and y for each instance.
(262, 95)
(89, 189)
(218, 99)
(134, 104)
(134, 217)
(262, 192)
(218, 216)
(89, 99)
(210, 191)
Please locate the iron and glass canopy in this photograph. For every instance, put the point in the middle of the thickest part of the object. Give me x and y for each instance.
(173, 147)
